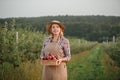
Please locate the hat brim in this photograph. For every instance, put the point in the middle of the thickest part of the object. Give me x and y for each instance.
(48, 26)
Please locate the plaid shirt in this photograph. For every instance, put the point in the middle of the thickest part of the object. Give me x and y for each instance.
(64, 45)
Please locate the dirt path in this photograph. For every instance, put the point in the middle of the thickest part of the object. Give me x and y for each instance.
(92, 65)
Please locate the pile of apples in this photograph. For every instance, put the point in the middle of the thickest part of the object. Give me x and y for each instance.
(50, 56)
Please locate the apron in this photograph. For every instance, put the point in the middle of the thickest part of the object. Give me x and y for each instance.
(58, 72)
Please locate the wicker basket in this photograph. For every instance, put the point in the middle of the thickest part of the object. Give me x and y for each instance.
(49, 62)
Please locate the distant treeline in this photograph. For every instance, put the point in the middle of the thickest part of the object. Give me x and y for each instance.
(92, 28)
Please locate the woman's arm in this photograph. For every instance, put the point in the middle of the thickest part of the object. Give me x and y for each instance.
(66, 50)
(42, 51)
(43, 46)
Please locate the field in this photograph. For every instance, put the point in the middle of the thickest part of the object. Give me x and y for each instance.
(20, 57)
(93, 64)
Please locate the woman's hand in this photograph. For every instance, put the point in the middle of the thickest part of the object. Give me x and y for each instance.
(59, 61)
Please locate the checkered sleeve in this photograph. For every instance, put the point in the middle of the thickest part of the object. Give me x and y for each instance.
(43, 46)
(66, 49)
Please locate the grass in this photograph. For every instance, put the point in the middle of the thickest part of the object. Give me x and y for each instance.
(93, 64)
(110, 68)
(26, 71)
(90, 65)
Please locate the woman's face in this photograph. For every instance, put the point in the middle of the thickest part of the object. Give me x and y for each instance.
(55, 29)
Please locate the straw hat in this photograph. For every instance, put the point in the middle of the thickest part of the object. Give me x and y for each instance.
(49, 24)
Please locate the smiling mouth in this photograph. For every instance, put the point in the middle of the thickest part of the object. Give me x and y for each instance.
(55, 31)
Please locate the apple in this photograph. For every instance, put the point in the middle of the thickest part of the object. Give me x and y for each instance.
(50, 56)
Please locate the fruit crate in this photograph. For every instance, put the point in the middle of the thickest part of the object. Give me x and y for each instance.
(49, 62)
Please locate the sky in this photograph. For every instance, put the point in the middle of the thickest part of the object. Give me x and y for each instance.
(37, 8)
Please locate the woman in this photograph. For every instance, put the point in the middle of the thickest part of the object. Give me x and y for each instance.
(58, 45)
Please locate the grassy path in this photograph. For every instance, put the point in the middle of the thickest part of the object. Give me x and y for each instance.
(92, 65)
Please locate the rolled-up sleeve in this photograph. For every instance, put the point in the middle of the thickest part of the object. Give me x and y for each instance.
(66, 49)
(42, 51)
(43, 46)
